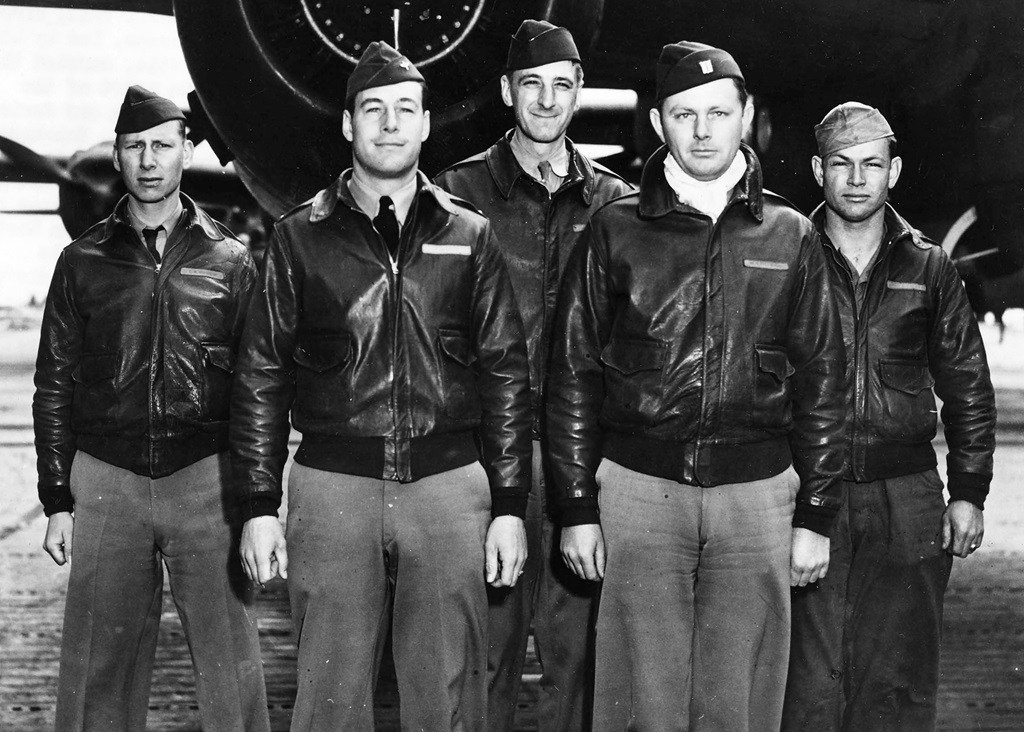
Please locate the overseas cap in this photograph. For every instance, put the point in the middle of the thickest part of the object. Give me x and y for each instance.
(380, 65)
(538, 42)
(687, 64)
(849, 124)
(142, 109)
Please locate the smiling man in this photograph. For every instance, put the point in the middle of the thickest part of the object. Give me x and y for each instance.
(386, 327)
(133, 382)
(866, 637)
(539, 190)
(695, 417)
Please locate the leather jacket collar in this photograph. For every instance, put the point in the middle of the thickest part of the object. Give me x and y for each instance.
(896, 228)
(194, 217)
(324, 202)
(506, 170)
(658, 199)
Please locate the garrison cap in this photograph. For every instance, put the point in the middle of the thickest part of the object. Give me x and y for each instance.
(849, 124)
(380, 65)
(538, 42)
(687, 64)
(142, 109)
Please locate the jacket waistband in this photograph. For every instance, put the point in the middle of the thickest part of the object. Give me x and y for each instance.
(155, 458)
(365, 456)
(699, 464)
(889, 460)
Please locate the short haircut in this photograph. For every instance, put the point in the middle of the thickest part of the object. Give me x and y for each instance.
(741, 90)
(181, 131)
(575, 64)
(351, 106)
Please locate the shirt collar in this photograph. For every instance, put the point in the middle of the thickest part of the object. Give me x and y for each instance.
(191, 216)
(530, 162)
(896, 228)
(368, 199)
(168, 223)
(658, 199)
(505, 169)
(323, 204)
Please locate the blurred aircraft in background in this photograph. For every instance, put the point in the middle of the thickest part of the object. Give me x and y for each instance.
(270, 75)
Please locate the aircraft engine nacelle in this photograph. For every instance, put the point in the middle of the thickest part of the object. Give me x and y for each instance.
(271, 76)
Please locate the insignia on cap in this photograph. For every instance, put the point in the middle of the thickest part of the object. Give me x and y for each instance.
(706, 66)
(404, 64)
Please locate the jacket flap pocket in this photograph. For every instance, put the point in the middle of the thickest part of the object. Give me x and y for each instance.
(219, 355)
(633, 356)
(457, 346)
(773, 360)
(910, 377)
(322, 353)
(95, 367)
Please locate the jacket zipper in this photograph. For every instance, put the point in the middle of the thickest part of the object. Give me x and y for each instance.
(393, 287)
(702, 420)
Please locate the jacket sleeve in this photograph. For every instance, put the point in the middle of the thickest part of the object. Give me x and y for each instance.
(956, 356)
(60, 347)
(503, 381)
(576, 381)
(246, 275)
(264, 387)
(816, 351)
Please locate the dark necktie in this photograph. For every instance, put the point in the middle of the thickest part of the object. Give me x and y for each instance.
(386, 224)
(150, 236)
(551, 181)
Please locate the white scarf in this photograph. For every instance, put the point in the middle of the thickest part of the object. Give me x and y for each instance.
(708, 197)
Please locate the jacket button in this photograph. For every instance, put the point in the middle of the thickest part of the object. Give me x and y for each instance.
(837, 674)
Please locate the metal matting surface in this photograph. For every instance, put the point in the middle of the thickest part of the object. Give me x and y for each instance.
(982, 685)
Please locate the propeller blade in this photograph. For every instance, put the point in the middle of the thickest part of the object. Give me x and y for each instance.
(30, 211)
(36, 167)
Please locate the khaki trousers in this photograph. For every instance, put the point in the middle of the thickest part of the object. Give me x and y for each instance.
(366, 554)
(693, 624)
(127, 528)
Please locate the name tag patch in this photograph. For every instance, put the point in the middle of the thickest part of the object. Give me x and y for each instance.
(765, 264)
(893, 285)
(211, 273)
(459, 249)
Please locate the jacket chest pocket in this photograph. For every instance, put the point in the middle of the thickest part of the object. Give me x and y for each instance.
(94, 404)
(771, 404)
(633, 378)
(323, 384)
(217, 369)
(461, 397)
(905, 406)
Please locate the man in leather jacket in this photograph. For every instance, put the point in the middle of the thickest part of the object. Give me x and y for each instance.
(538, 190)
(697, 380)
(866, 638)
(133, 383)
(387, 327)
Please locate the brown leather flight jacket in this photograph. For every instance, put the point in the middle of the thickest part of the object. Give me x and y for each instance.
(914, 332)
(136, 359)
(537, 231)
(707, 353)
(391, 371)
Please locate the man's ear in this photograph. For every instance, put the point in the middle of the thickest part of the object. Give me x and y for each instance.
(818, 170)
(506, 89)
(188, 151)
(346, 125)
(115, 158)
(656, 123)
(895, 168)
(426, 126)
